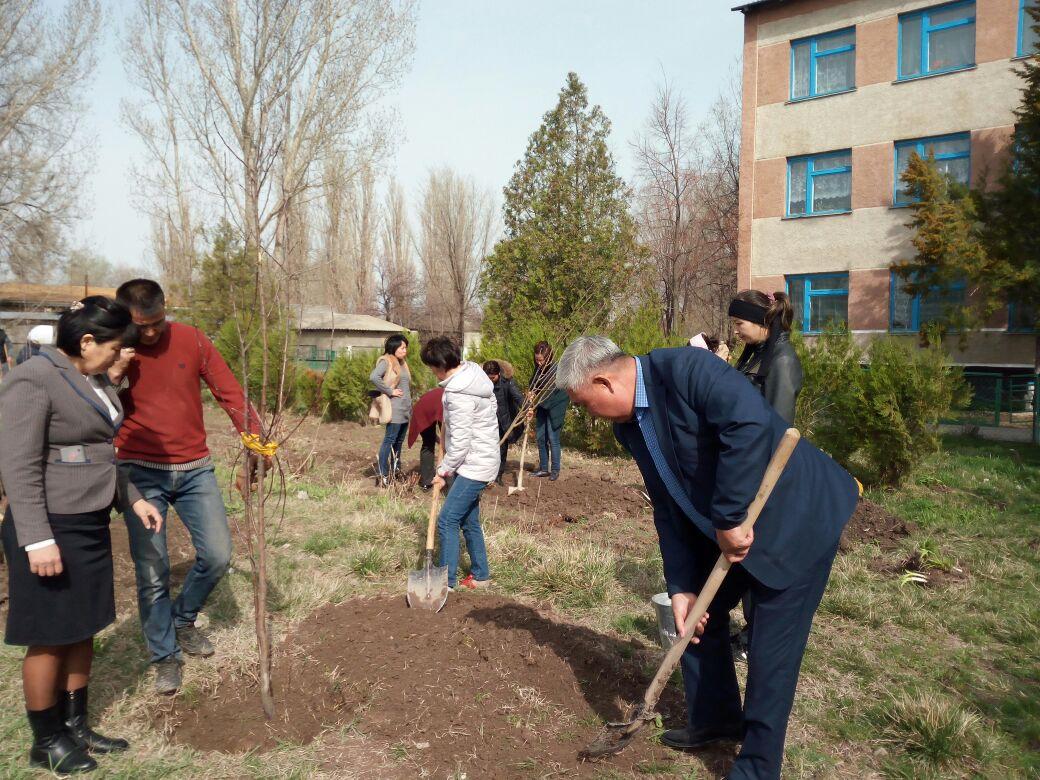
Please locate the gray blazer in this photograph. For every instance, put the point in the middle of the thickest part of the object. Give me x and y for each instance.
(56, 451)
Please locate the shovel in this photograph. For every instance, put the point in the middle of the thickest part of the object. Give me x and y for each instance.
(615, 736)
(428, 587)
(520, 474)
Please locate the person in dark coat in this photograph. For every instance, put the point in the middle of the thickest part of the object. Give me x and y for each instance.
(549, 413)
(702, 437)
(763, 323)
(58, 417)
(510, 402)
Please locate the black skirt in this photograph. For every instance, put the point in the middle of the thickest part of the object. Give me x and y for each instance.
(76, 604)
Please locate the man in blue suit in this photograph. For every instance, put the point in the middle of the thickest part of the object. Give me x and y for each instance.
(702, 436)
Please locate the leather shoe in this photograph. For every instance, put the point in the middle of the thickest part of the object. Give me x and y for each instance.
(540, 473)
(75, 703)
(52, 747)
(694, 739)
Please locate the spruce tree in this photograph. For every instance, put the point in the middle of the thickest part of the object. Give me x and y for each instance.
(569, 238)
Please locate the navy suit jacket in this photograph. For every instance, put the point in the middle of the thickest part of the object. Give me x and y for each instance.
(718, 433)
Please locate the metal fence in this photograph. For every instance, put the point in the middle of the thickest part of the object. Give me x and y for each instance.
(314, 358)
(1000, 400)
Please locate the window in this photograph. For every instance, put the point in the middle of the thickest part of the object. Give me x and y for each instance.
(1027, 37)
(824, 64)
(821, 184)
(908, 313)
(952, 155)
(1022, 317)
(937, 40)
(819, 300)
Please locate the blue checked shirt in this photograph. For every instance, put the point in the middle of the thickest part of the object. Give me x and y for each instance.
(646, 426)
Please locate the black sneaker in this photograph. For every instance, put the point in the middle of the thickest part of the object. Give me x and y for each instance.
(168, 676)
(554, 477)
(194, 642)
(687, 739)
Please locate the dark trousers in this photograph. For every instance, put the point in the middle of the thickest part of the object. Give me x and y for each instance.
(428, 455)
(780, 624)
(502, 452)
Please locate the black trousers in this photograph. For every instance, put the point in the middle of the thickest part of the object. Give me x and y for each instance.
(428, 455)
(780, 624)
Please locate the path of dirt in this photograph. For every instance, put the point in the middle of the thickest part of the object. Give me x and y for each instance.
(489, 686)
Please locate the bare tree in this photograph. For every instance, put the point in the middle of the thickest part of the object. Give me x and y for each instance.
(163, 183)
(269, 92)
(396, 280)
(456, 222)
(45, 58)
(686, 208)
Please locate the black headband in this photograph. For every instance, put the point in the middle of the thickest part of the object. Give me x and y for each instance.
(748, 311)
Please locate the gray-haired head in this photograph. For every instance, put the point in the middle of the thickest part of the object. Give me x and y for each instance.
(584, 357)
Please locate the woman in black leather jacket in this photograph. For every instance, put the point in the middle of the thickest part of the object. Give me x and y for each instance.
(763, 322)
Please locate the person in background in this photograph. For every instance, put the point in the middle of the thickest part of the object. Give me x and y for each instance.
(702, 438)
(39, 336)
(162, 451)
(712, 344)
(393, 379)
(763, 322)
(6, 349)
(59, 416)
(470, 456)
(427, 414)
(549, 412)
(510, 401)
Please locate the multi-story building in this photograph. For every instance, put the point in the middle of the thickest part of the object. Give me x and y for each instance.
(837, 95)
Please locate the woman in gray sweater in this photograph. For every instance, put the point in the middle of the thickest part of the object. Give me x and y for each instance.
(393, 380)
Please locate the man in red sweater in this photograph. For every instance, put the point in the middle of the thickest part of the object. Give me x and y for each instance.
(162, 448)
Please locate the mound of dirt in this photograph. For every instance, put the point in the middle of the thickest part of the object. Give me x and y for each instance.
(873, 524)
(488, 686)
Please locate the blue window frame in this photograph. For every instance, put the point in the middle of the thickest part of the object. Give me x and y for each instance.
(819, 300)
(952, 155)
(937, 40)
(1022, 318)
(907, 313)
(824, 64)
(1028, 40)
(819, 184)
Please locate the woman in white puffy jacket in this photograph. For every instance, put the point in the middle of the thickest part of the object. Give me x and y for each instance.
(471, 454)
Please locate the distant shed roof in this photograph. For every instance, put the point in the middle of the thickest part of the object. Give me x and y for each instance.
(322, 318)
(50, 294)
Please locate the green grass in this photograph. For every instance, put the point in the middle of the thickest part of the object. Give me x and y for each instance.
(932, 681)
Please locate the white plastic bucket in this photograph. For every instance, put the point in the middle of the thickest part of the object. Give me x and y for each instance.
(666, 633)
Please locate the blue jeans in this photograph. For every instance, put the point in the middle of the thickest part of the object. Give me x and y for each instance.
(548, 442)
(199, 504)
(393, 440)
(462, 509)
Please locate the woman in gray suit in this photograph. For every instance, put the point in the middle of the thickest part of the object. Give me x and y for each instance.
(58, 417)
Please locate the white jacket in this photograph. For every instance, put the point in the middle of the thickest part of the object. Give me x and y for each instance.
(470, 425)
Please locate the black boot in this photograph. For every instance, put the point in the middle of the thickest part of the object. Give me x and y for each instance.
(75, 703)
(52, 747)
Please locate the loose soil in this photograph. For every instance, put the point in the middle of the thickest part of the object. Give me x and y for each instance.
(873, 524)
(488, 685)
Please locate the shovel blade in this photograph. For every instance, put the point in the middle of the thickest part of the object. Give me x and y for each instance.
(428, 588)
(513, 490)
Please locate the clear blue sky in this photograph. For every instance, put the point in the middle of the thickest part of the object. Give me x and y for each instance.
(483, 74)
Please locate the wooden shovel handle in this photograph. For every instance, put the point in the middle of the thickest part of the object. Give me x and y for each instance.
(432, 524)
(719, 571)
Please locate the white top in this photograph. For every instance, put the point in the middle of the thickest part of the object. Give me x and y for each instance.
(100, 390)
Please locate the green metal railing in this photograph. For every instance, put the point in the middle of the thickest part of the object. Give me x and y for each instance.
(314, 358)
(1002, 400)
